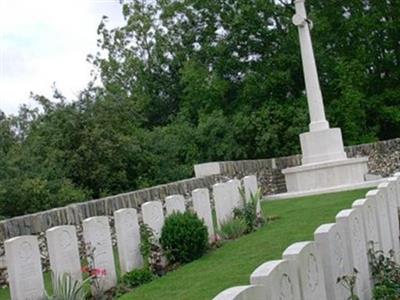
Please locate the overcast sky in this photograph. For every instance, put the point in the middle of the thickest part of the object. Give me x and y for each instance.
(46, 41)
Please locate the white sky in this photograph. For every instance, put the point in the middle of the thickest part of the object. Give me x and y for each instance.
(46, 41)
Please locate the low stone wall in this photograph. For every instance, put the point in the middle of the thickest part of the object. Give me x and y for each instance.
(186, 202)
(384, 159)
(74, 214)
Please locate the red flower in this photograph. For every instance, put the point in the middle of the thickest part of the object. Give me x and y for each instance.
(98, 272)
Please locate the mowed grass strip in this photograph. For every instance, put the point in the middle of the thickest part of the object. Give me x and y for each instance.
(233, 263)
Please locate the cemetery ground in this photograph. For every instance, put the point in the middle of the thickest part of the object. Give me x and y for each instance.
(233, 263)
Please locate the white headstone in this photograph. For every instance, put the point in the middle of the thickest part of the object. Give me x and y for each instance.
(24, 268)
(62, 244)
(202, 207)
(382, 219)
(175, 203)
(389, 190)
(153, 216)
(96, 233)
(250, 188)
(330, 243)
(234, 186)
(367, 208)
(222, 202)
(250, 185)
(128, 239)
(279, 278)
(351, 222)
(397, 176)
(309, 269)
(245, 292)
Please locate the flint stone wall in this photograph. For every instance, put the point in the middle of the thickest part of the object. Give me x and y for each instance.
(384, 159)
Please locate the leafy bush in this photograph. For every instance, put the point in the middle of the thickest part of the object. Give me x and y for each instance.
(151, 250)
(232, 229)
(184, 237)
(349, 283)
(386, 275)
(137, 277)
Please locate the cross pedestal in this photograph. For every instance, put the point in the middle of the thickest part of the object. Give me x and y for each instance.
(324, 162)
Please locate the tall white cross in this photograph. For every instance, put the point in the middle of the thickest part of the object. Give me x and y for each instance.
(314, 96)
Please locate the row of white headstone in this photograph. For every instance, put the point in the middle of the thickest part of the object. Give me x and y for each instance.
(23, 257)
(309, 270)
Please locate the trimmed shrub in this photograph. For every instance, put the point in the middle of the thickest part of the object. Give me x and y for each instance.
(137, 277)
(232, 229)
(184, 237)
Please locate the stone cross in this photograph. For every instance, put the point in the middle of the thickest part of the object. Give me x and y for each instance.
(314, 95)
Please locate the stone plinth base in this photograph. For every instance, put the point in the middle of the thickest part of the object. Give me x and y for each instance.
(326, 174)
(340, 188)
(322, 146)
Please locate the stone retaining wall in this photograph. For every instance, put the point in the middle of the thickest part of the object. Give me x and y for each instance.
(384, 159)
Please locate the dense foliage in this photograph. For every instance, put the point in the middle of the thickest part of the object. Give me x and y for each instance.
(385, 274)
(137, 277)
(187, 81)
(184, 237)
(232, 229)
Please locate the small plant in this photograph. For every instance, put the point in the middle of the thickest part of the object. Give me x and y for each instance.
(137, 277)
(251, 211)
(94, 274)
(385, 273)
(184, 237)
(151, 251)
(349, 282)
(232, 229)
(66, 288)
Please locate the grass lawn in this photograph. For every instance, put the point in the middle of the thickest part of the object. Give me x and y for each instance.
(233, 263)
